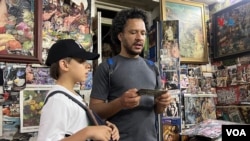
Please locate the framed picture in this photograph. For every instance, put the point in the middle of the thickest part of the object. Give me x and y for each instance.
(231, 31)
(20, 31)
(66, 19)
(192, 34)
(31, 103)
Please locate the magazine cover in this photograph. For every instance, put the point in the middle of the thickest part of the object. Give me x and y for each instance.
(31, 103)
(199, 107)
(171, 128)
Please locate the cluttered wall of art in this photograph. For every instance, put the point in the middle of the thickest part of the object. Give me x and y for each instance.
(231, 31)
(20, 32)
(192, 34)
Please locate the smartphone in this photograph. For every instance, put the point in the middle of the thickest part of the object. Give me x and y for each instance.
(151, 92)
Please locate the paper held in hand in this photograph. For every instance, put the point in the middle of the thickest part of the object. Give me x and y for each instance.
(151, 92)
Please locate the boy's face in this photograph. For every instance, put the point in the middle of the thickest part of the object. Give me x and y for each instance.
(79, 69)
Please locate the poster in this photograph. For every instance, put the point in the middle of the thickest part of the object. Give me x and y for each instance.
(31, 103)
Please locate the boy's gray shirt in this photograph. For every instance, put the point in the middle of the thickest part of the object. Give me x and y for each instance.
(134, 124)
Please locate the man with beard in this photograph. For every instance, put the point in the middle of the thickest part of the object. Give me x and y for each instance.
(114, 96)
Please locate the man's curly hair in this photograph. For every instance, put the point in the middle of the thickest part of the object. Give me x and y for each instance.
(120, 20)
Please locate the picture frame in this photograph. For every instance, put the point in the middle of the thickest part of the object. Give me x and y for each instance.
(230, 31)
(192, 32)
(66, 19)
(31, 103)
(20, 40)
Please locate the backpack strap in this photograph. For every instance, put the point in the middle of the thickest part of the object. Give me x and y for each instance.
(93, 117)
(111, 66)
(151, 64)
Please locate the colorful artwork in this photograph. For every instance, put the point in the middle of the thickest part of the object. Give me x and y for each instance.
(232, 113)
(170, 41)
(19, 38)
(38, 76)
(171, 128)
(14, 78)
(231, 31)
(66, 19)
(31, 103)
(199, 108)
(19, 20)
(192, 37)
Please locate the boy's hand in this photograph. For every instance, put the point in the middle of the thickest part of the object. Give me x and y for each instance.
(115, 132)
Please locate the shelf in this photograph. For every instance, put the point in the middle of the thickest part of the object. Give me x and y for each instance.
(199, 95)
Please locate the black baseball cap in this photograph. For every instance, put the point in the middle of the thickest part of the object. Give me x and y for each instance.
(68, 48)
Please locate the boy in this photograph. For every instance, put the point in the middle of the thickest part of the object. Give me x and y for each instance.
(61, 118)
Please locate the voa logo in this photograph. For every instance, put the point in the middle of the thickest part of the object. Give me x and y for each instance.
(236, 132)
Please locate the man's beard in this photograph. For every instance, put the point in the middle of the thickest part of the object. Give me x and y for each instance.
(129, 49)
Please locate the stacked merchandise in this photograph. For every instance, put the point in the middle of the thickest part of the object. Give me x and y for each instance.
(169, 69)
(234, 97)
(207, 130)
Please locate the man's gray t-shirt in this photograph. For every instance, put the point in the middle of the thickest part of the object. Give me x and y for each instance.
(136, 124)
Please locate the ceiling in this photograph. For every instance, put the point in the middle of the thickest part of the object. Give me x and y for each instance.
(147, 4)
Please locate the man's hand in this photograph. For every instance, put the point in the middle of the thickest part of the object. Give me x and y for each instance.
(162, 102)
(130, 99)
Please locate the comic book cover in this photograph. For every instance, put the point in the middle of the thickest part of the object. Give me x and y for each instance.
(38, 75)
(31, 102)
(10, 126)
(241, 75)
(183, 81)
(232, 74)
(184, 69)
(221, 81)
(173, 109)
(245, 112)
(170, 80)
(199, 108)
(152, 51)
(171, 128)
(14, 78)
(209, 128)
(244, 93)
(227, 95)
(193, 85)
(230, 113)
(170, 38)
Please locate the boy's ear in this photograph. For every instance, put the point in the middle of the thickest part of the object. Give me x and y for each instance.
(63, 64)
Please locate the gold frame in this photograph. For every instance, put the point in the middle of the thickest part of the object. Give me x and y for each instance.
(193, 42)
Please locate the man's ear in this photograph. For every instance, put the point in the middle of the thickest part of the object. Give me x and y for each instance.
(120, 36)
